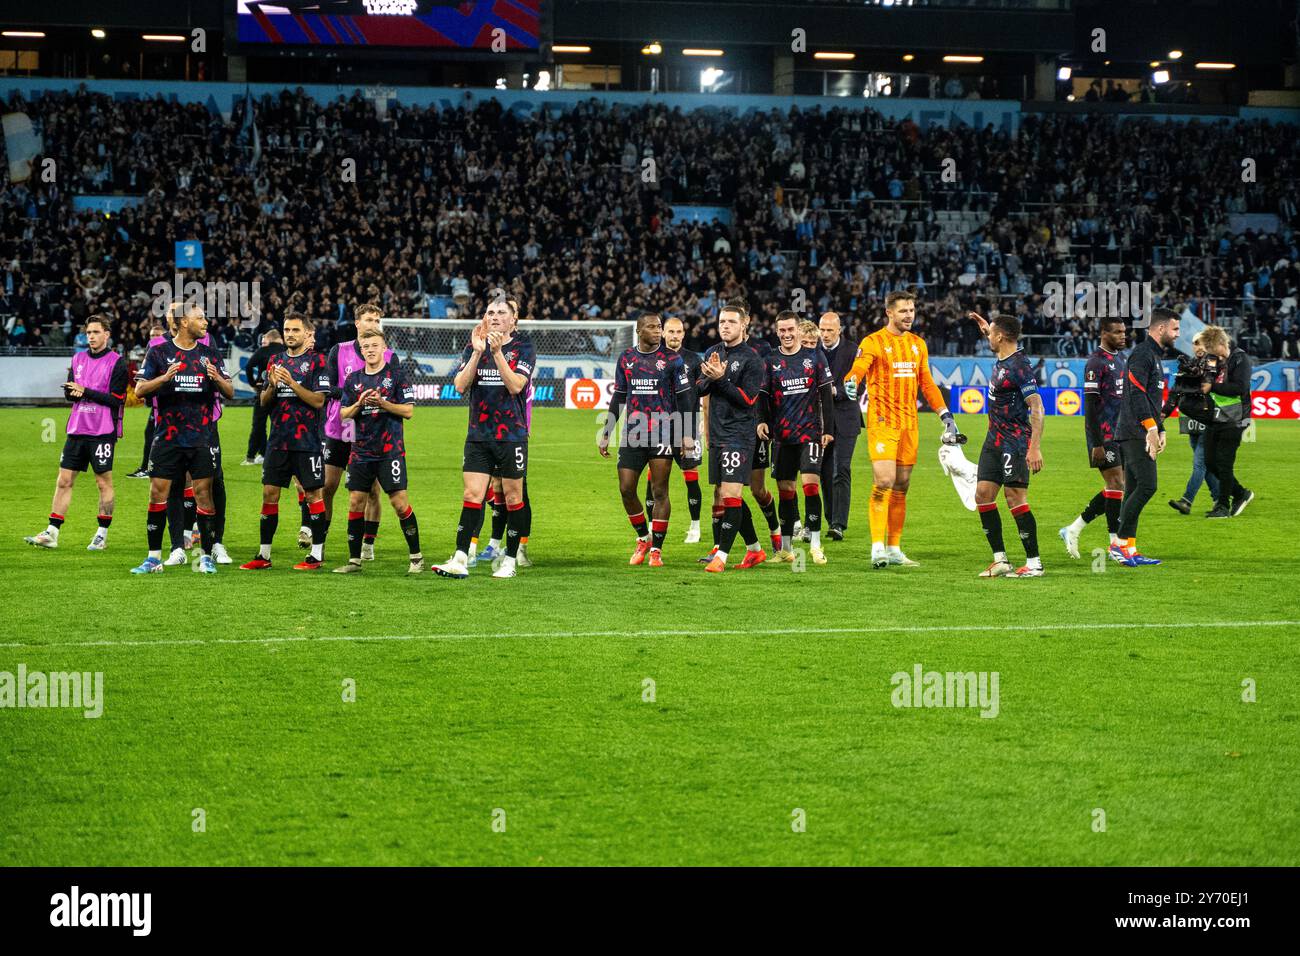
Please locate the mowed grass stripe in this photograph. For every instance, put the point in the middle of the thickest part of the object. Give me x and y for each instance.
(874, 631)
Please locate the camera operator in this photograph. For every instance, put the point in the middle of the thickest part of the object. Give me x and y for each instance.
(1141, 431)
(1195, 411)
(1229, 389)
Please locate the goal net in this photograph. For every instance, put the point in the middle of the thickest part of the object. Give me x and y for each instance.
(430, 349)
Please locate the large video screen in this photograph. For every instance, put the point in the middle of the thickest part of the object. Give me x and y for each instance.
(391, 23)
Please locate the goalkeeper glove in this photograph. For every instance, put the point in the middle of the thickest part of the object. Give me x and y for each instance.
(851, 388)
(950, 434)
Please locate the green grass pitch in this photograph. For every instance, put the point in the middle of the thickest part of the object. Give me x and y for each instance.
(522, 703)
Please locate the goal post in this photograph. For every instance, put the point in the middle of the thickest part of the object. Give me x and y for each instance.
(429, 350)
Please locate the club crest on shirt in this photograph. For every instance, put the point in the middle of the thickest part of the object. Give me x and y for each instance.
(661, 365)
(807, 363)
(735, 366)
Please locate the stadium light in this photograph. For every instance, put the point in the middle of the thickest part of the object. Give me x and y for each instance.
(824, 55)
(1160, 76)
(954, 58)
(163, 37)
(98, 34)
(700, 51)
(1216, 66)
(1153, 64)
(1064, 73)
(652, 49)
(1175, 54)
(558, 48)
(908, 57)
(24, 34)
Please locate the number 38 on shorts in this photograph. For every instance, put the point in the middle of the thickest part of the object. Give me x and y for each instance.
(730, 463)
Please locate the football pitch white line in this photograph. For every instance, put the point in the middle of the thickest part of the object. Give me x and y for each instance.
(773, 631)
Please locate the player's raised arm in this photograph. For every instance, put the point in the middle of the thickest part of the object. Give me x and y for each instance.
(217, 373)
(469, 360)
(514, 380)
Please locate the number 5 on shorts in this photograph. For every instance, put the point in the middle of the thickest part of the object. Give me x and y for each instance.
(519, 457)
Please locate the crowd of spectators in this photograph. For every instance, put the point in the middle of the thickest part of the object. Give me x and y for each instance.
(572, 211)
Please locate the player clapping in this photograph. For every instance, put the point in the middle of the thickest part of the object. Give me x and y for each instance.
(379, 397)
(731, 376)
(297, 384)
(186, 377)
(494, 374)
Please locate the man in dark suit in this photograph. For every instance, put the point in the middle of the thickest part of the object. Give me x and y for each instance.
(848, 421)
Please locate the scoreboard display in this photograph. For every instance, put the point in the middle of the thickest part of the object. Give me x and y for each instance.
(488, 25)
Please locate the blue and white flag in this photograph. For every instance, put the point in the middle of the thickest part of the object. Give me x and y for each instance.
(189, 254)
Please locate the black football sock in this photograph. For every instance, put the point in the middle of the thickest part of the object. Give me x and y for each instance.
(478, 521)
(812, 507)
(302, 509)
(471, 514)
(105, 521)
(658, 530)
(157, 517)
(693, 493)
(747, 532)
(372, 529)
(1114, 501)
(176, 516)
(498, 518)
(768, 508)
(1096, 508)
(638, 523)
(729, 523)
(266, 527)
(992, 523)
(649, 497)
(218, 507)
(411, 529)
(1028, 528)
(789, 514)
(56, 521)
(356, 529)
(316, 522)
(718, 512)
(205, 530)
(514, 528)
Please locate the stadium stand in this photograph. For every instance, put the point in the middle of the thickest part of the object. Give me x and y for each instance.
(558, 207)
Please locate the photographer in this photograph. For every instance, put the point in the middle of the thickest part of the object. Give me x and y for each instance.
(1229, 389)
(1195, 412)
